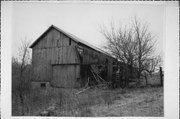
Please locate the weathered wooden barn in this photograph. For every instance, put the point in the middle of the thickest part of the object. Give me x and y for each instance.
(64, 60)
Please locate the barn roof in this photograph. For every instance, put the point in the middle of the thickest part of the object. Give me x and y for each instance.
(73, 37)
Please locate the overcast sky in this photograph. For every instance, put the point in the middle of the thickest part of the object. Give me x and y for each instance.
(30, 19)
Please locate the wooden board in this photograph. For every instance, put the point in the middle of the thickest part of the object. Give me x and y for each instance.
(92, 57)
(44, 58)
(65, 75)
(54, 39)
(40, 64)
(64, 55)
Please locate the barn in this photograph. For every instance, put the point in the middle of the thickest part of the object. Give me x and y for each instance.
(64, 60)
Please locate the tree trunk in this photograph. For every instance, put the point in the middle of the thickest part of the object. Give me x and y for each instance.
(21, 90)
(22, 103)
(161, 76)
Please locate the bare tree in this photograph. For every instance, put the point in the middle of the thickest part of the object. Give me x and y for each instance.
(134, 46)
(153, 64)
(122, 45)
(24, 55)
(19, 66)
(145, 47)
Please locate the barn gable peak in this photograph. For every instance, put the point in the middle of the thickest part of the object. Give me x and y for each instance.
(73, 37)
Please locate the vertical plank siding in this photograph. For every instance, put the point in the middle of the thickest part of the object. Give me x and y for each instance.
(54, 39)
(64, 55)
(65, 75)
(55, 58)
(93, 57)
(39, 63)
(53, 48)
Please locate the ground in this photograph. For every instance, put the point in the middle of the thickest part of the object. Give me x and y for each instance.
(139, 102)
(95, 102)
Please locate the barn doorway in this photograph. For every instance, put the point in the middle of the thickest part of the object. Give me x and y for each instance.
(65, 75)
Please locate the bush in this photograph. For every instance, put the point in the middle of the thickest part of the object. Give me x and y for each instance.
(21, 86)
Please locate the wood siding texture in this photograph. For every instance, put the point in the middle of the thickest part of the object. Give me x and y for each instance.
(56, 59)
(53, 48)
(65, 75)
(64, 55)
(92, 57)
(54, 39)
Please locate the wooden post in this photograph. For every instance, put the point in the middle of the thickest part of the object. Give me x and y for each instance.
(146, 78)
(109, 63)
(161, 76)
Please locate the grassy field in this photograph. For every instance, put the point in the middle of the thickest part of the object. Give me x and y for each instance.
(93, 102)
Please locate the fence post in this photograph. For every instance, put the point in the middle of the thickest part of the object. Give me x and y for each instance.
(161, 76)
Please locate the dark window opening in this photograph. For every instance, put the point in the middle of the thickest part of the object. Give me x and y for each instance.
(69, 41)
(106, 60)
(81, 59)
(43, 85)
(114, 63)
(115, 69)
(78, 79)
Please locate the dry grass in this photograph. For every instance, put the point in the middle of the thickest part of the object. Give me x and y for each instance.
(94, 102)
(138, 102)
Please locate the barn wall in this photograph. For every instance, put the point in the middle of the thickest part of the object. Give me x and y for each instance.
(64, 55)
(110, 68)
(54, 39)
(54, 51)
(40, 63)
(53, 48)
(65, 76)
(90, 56)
